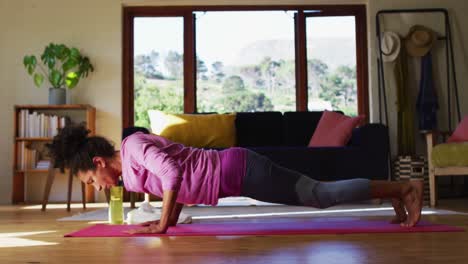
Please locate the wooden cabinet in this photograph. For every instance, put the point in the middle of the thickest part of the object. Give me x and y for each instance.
(25, 137)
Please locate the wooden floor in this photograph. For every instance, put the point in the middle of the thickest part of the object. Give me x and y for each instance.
(43, 242)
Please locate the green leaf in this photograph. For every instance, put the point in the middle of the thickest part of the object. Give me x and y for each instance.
(33, 60)
(85, 67)
(55, 78)
(38, 79)
(69, 64)
(66, 52)
(75, 53)
(48, 57)
(30, 64)
(26, 61)
(51, 63)
(29, 61)
(72, 79)
(30, 69)
(60, 51)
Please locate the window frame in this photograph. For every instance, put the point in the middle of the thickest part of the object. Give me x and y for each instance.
(190, 82)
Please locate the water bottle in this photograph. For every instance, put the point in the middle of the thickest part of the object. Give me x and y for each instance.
(116, 212)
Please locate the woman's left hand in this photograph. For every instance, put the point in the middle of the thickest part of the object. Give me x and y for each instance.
(151, 229)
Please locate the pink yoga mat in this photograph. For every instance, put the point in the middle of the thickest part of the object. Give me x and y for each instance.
(289, 227)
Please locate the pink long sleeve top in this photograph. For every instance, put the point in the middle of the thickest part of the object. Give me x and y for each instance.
(153, 164)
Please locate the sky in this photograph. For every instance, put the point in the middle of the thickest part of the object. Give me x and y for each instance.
(221, 35)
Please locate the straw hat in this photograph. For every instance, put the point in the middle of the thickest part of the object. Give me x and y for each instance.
(420, 40)
(390, 46)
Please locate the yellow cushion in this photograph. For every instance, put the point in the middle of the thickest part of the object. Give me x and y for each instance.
(450, 154)
(210, 130)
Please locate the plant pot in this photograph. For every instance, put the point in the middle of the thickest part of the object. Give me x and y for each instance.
(57, 96)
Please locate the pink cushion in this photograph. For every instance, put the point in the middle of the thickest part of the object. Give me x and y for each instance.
(334, 130)
(461, 132)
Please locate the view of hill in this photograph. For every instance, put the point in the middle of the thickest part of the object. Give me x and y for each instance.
(332, 51)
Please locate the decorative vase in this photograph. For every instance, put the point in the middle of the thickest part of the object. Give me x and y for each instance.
(57, 96)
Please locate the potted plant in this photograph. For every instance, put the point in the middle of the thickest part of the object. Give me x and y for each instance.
(62, 66)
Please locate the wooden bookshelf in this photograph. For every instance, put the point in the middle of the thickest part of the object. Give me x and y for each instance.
(56, 107)
(33, 139)
(32, 171)
(87, 114)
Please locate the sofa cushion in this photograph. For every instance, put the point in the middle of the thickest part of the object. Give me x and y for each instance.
(451, 154)
(461, 132)
(369, 136)
(334, 130)
(299, 126)
(259, 129)
(210, 130)
(329, 163)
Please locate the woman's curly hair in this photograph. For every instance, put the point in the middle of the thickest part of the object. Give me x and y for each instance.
(72, 148)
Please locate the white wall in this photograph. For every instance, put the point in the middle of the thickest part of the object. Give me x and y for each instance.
(26, 26)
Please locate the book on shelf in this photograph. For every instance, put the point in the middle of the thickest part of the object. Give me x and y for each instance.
(36, 124)
(43, 164)
(27, 157)
(20, 155)
(30, 158)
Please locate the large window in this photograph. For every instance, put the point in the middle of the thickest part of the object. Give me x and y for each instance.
(331, 63)
(158, 66)
(249, 65)
(237, 59)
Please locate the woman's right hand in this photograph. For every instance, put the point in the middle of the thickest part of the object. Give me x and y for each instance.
(156, 222)
(151, 229)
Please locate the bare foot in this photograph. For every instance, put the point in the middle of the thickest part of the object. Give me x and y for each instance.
(413, 199)
(400, 211)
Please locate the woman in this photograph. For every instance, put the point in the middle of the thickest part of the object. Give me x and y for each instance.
(185, 175)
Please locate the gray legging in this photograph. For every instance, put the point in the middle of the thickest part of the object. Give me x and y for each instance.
(268, 182)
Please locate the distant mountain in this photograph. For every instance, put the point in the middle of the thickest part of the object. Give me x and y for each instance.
(332, 51)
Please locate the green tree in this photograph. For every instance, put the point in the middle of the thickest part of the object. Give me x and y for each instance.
(233, 83)
(269, 69)
(217, 71)
(174, 63)
(148, 65)
(339, 88)
(253, 75)
(149, 96)
(245, 101)
(317, 74)
(286, 77)
(348, 84)
(317, 67)
(271, 75)
(331, 90)
(201, 70)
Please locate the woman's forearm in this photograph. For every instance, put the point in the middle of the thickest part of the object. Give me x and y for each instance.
(168, 206)
(175, 214)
